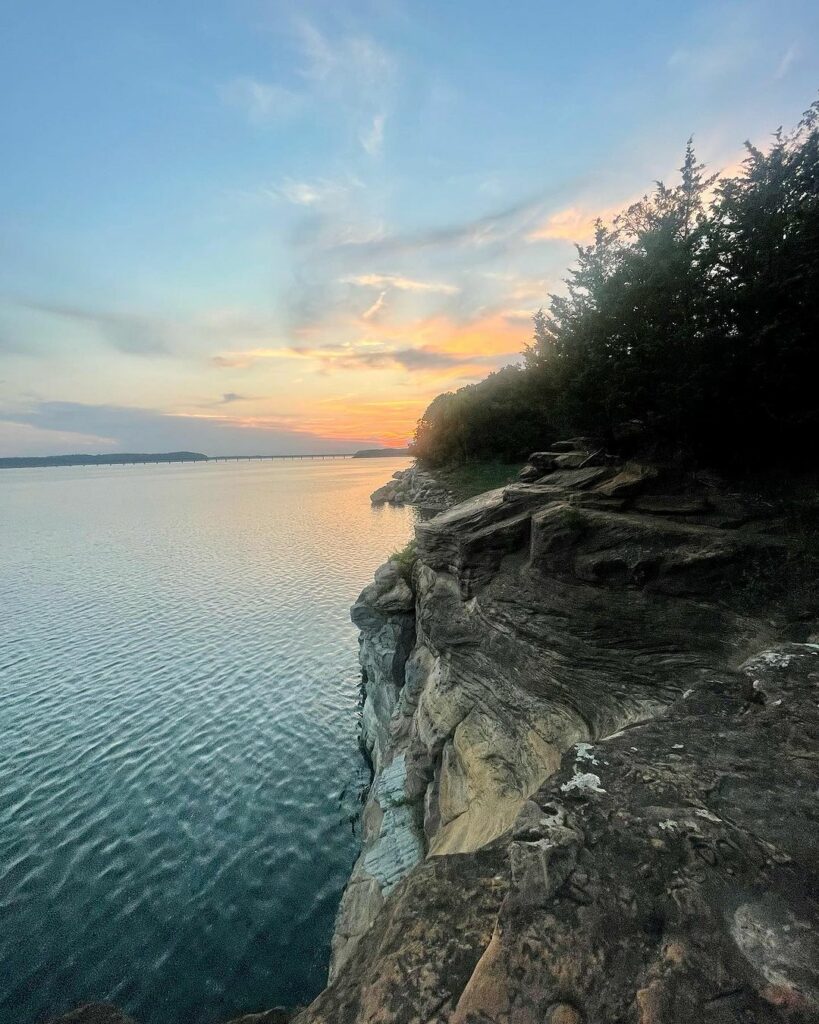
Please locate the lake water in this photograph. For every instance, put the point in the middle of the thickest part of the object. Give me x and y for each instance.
(179, 769)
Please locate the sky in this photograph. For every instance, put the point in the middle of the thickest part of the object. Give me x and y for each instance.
(253, 226)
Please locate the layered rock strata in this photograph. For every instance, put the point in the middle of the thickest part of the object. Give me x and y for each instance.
(593, 796)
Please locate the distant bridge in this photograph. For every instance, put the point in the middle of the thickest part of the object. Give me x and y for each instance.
(257, 458)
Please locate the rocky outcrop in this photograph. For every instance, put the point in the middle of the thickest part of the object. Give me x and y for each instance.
(392, 842)
(594, 747)
(413, 486)
(592, 711)
(574, 454)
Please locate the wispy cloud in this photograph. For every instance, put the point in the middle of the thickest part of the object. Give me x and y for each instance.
(247, 357)
(262, 102)
(351, 357)
(481, 344)
(352, 62)
(131, 333)
(313, 193)
(353, 71)
(723, 39)
(404, 284)
(412, 359)
(350, 74)
(150, 334)
(375, 308)
(491, 231)
(372, 138)
(789, 57)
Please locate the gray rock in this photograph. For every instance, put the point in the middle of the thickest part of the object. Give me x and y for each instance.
(617, 823)
(413, 486)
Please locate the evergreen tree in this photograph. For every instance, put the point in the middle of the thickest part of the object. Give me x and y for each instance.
(696, 312)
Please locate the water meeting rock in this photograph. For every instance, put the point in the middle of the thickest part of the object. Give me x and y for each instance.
(592, 711)
(594, 728)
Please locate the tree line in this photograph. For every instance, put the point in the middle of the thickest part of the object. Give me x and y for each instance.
(691, 322)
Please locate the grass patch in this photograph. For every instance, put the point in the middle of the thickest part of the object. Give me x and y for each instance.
(405, 558)
(476, 477)
(789, 583)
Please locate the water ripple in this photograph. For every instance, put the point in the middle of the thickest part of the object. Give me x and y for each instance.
(178, 704)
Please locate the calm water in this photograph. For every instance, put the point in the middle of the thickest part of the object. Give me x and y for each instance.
(178, 711)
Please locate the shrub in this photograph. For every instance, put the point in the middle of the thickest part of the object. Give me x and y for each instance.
(405, 559)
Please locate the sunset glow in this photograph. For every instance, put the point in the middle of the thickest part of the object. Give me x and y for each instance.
(295, 241)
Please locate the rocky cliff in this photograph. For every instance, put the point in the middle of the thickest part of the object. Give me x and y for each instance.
(591, 708)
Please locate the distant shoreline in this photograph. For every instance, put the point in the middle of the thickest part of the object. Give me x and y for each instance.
(137, 458)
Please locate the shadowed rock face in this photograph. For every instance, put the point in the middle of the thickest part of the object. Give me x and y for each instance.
(606, 808)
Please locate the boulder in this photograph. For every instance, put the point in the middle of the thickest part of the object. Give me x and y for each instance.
(412, 486)
(384, 494)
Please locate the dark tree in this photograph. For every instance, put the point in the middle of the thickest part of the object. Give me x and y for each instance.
(696, 312)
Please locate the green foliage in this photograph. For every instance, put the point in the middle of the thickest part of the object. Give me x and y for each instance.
(476, 477)
(484, 421)
(405, 559)
(696, 312)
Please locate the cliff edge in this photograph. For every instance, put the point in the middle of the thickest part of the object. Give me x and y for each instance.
(591, 708)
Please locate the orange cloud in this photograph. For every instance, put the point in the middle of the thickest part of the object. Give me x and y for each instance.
(344, 418)
(486, 336)
(432, 343)
(576, 223)
(391, 422)
(436, 354)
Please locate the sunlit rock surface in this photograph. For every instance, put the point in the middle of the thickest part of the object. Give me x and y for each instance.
(595, 751)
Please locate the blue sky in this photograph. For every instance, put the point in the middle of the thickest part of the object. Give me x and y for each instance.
(266, 226)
